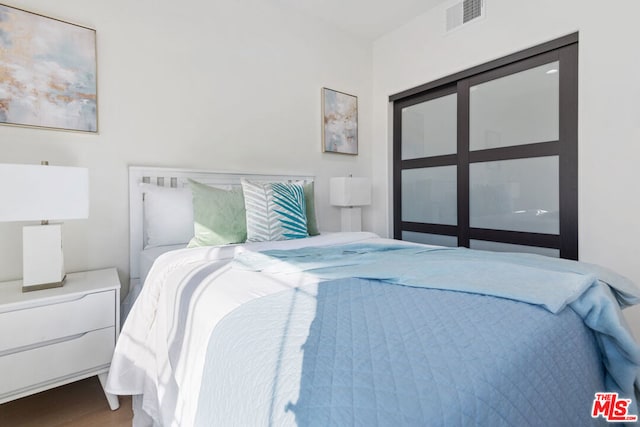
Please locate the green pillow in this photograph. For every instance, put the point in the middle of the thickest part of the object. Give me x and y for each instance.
(312, 222)
(219, 216)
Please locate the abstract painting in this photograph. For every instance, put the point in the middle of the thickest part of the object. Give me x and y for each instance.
(47, 72)
(339, 122)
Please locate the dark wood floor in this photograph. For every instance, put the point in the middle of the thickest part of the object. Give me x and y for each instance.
(78, 404)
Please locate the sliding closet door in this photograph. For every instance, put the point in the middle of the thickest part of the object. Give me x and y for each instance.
(428, 176)
(488, 160)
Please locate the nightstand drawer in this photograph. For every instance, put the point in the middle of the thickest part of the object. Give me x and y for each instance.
(54, 362)
(38, 325)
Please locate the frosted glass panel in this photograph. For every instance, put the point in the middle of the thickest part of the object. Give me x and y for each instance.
(429, 128)
(521, 108)
(429, 195)
(516, 195)
(507, 247)
(430, 239)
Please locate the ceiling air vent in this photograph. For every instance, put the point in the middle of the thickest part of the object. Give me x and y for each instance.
(464, 12)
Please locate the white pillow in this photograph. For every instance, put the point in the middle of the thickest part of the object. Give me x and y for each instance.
(168, 215)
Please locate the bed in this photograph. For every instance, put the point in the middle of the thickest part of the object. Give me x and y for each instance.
(354, 329)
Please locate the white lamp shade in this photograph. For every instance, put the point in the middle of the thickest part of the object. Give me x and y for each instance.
(350, 191)
(39, 192)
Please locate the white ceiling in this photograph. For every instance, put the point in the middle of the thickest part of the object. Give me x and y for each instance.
(368, 19)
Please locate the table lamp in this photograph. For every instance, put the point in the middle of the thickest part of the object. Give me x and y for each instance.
(350, 193)
(45, 193)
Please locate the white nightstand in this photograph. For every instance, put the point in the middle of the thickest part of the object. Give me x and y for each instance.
(56, 336)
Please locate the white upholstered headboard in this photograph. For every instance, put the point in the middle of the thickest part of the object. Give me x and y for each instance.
(171, 177)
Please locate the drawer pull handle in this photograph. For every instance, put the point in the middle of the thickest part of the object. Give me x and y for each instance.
(42, 344)
(54, 303)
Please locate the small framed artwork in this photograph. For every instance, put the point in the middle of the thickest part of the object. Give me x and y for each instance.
(339, 122)
(48, 72)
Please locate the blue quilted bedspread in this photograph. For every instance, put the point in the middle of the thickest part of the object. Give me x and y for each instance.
(361, 352)
(415, 336)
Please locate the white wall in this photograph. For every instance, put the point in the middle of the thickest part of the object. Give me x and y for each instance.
(224, 85)
(609, 118)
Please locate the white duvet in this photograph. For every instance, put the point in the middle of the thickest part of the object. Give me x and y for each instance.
(161, 350)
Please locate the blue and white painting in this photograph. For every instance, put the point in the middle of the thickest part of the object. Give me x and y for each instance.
(47, 72)
(340, 122)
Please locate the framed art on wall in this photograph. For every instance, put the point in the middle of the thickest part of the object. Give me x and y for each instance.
(48, 72)
(339, 122)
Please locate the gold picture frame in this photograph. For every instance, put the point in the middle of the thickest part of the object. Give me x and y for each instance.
(49, 72)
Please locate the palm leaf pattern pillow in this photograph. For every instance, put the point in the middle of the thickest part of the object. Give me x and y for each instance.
(275, 211)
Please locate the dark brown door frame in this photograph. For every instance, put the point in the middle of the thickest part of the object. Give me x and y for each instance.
(564, 50)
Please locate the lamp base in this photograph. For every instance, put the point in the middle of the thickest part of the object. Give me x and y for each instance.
(44, 285)
(351, 219)
(42, 260)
